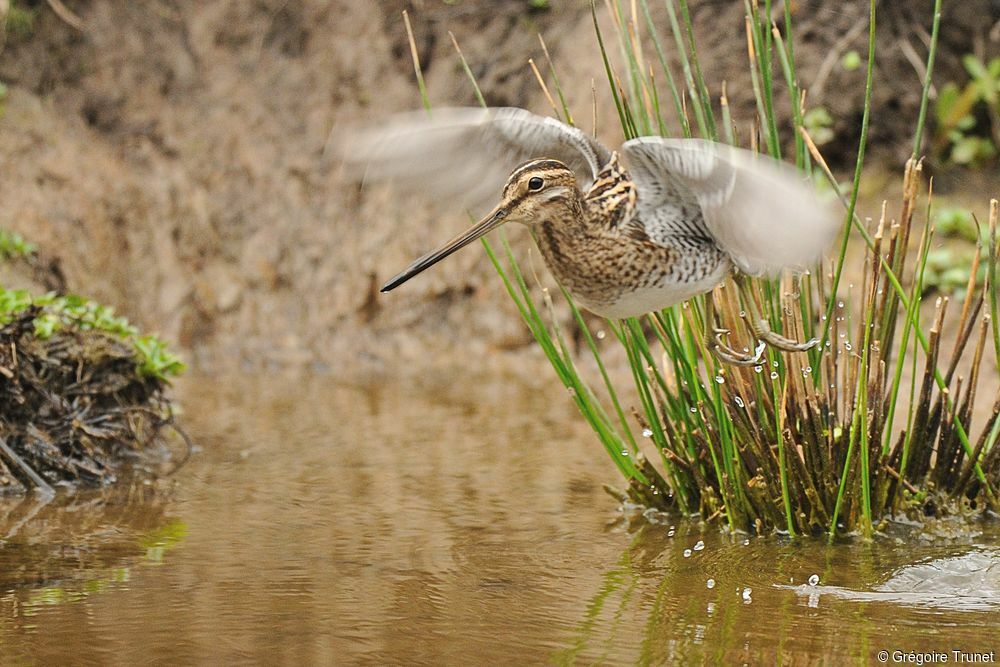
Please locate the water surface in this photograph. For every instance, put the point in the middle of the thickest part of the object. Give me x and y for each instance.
(440, 524)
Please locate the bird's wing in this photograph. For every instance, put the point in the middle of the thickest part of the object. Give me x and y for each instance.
(466, 154)
(763, 213)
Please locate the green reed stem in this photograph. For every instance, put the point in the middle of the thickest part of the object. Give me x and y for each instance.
(671, 83)
(679, 42)
(993, 276)
(416, 63)
(862, 407)
(925, 94)
(555, 81)
(786, 500)
(703, 97)
(856, 184)
(468, 71)
(592, 346)
(627, 125)
(762, 47)
(916, 290)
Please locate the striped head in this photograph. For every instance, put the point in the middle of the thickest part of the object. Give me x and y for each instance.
(536, 191)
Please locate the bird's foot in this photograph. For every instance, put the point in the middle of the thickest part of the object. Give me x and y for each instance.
(763, 332)
(728, 355)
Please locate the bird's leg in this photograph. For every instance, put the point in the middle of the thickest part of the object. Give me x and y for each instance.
(720, 349)
(762, 328)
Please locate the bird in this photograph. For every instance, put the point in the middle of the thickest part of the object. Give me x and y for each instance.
(626, 232)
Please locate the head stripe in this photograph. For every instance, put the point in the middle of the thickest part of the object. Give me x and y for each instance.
(534, 165)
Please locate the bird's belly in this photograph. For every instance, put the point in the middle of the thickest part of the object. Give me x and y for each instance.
(646, 299)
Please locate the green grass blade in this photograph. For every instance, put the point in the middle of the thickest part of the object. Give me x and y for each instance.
(925, 94)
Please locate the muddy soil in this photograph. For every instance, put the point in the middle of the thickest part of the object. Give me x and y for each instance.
(171, 157)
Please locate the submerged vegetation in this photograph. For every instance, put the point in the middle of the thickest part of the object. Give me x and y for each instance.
(875, 422)
(80, 388)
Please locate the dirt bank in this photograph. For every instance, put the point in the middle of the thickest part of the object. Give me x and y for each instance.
(171, 155)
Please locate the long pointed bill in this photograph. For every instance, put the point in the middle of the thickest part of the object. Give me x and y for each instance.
(481, 228)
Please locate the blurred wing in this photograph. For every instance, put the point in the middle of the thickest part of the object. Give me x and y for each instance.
(465, 155)
(760, 211)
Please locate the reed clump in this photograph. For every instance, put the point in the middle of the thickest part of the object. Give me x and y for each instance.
(81, 391)
(878, 421)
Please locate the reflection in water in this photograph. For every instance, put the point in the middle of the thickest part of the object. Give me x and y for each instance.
(57, 554)
(426, 525)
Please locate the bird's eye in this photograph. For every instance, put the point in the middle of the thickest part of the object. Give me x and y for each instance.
(535, 183)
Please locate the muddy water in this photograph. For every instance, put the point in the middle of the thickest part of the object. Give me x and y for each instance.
(442, 524)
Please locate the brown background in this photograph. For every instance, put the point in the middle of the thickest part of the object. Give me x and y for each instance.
(171, 156)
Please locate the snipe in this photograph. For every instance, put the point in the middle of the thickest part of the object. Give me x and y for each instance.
(624, 242)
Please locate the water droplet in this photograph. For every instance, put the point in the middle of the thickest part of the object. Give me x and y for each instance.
(710, 583)
(746, 542)
(720, 379)
(813, 580)
(774, 375)
(601, 335)
(687, 553)
(671, 532)
(847, 346)
(647, 433)
(699, 545)
(710, 609)
(743, 313)
(739, 401)
(774, 363)
(694, 409)
(840, 304)
(624, 452)
(746, 595)
(758, 369)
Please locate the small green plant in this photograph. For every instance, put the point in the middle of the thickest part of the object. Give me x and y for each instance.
(818, 123)
(13, 245)
(851, 61)
(959, 222)
(949, 269)
(961, 136)
(20, 22)
(71, 311)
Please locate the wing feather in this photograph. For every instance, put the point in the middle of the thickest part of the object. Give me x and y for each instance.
(466, 154)
(760, 211)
